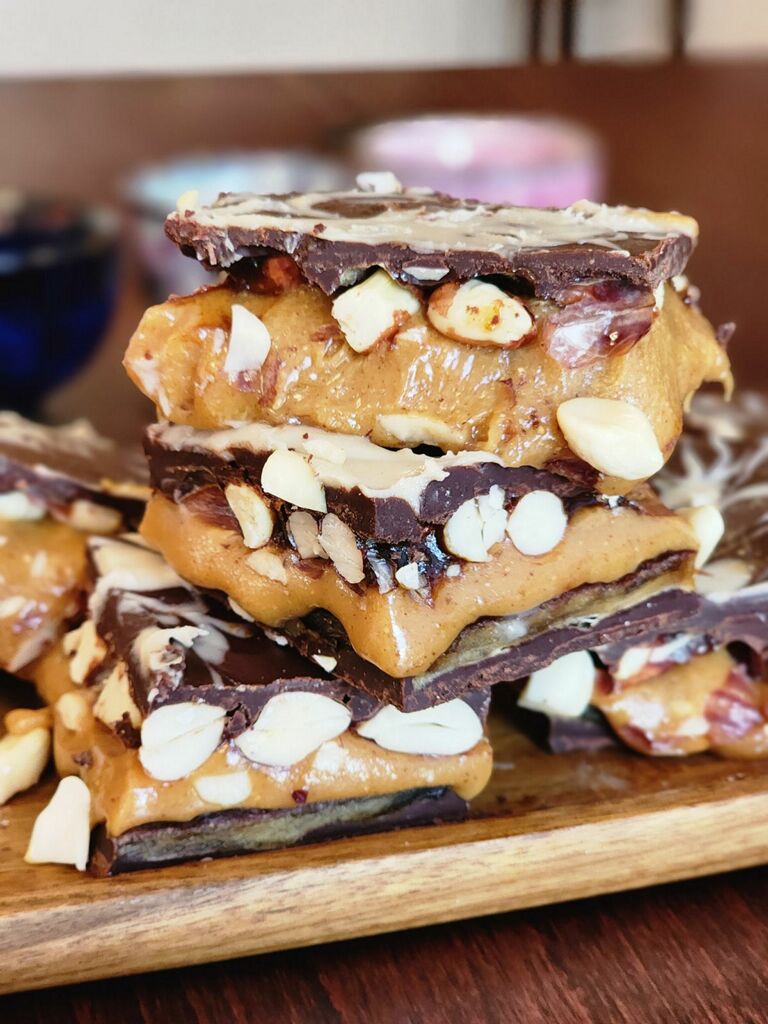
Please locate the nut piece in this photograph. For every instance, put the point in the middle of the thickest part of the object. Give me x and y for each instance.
(22, 760)
(339, 542)
(708, 524)
(537, 523)
(614, 437)
(476, 526)
(73, 711)
(479, 312)
(383, 182)
(305, 533)
(89, 517)
(62, 830)
(267, 563)
(411, 429)
(289, 476)
(115, 700)
(249, 343)
(562, 689)
(16, 506)
(252, 513)
(724, 576)
(292, 725)
(226, 790)
(373, 310)
(409, 576)
(326, 662)
(85, 649)
(447, 729)
(177, 738)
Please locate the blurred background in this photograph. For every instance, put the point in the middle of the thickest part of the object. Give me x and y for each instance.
(108, 112)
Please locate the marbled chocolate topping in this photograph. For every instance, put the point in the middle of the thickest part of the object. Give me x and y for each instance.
(424, 237)
(60, 465)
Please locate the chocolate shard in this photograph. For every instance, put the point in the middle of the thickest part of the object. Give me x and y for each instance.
(227, 833)
(421, 236)
(58, 466)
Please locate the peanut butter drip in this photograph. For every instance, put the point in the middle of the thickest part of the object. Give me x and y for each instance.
(708, 703)
(124, 795)
(42, 577)
(444, 392)
(399, 631)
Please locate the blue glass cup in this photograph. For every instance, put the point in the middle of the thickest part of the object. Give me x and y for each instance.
(58, 277)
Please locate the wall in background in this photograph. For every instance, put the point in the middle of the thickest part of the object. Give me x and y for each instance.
(44, 38)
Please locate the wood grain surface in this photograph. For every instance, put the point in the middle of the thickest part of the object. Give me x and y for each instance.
(546, 829)
(690, 136)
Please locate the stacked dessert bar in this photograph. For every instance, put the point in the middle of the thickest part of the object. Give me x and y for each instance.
(402, 454)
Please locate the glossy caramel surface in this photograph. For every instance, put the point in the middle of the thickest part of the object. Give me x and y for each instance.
(475, 397)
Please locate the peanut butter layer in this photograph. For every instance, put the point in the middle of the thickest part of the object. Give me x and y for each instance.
(124, 795)
(399, 631)
(418, 387)
(42, 580)
(708, 703)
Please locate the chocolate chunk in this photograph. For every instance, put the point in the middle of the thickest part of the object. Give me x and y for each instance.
(227, 833)
(334, 236)
(61, 465)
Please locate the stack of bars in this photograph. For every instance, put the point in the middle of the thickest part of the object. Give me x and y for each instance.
(402, 455)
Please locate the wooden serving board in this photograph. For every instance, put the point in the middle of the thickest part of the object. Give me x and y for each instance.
(548, 828)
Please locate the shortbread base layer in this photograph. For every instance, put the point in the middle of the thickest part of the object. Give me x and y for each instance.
(227, 833)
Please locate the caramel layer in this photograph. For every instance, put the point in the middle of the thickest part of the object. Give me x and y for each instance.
(703, 704)
(399, 631)
(42, 574)
(500, 400)
(123, 795)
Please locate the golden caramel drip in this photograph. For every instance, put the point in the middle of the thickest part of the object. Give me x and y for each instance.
(399, 631)
(500, 400)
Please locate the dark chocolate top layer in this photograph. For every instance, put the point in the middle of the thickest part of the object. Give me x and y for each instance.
(60, 465)
(426, 238)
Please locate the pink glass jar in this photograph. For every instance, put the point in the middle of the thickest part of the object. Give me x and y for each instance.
(525, 160)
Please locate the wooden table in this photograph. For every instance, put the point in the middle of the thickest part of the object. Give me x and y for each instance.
(690, 136)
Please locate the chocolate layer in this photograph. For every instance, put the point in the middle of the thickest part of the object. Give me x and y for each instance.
(423, 237)
(61, 465)
(227, 833)
(182, 462)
